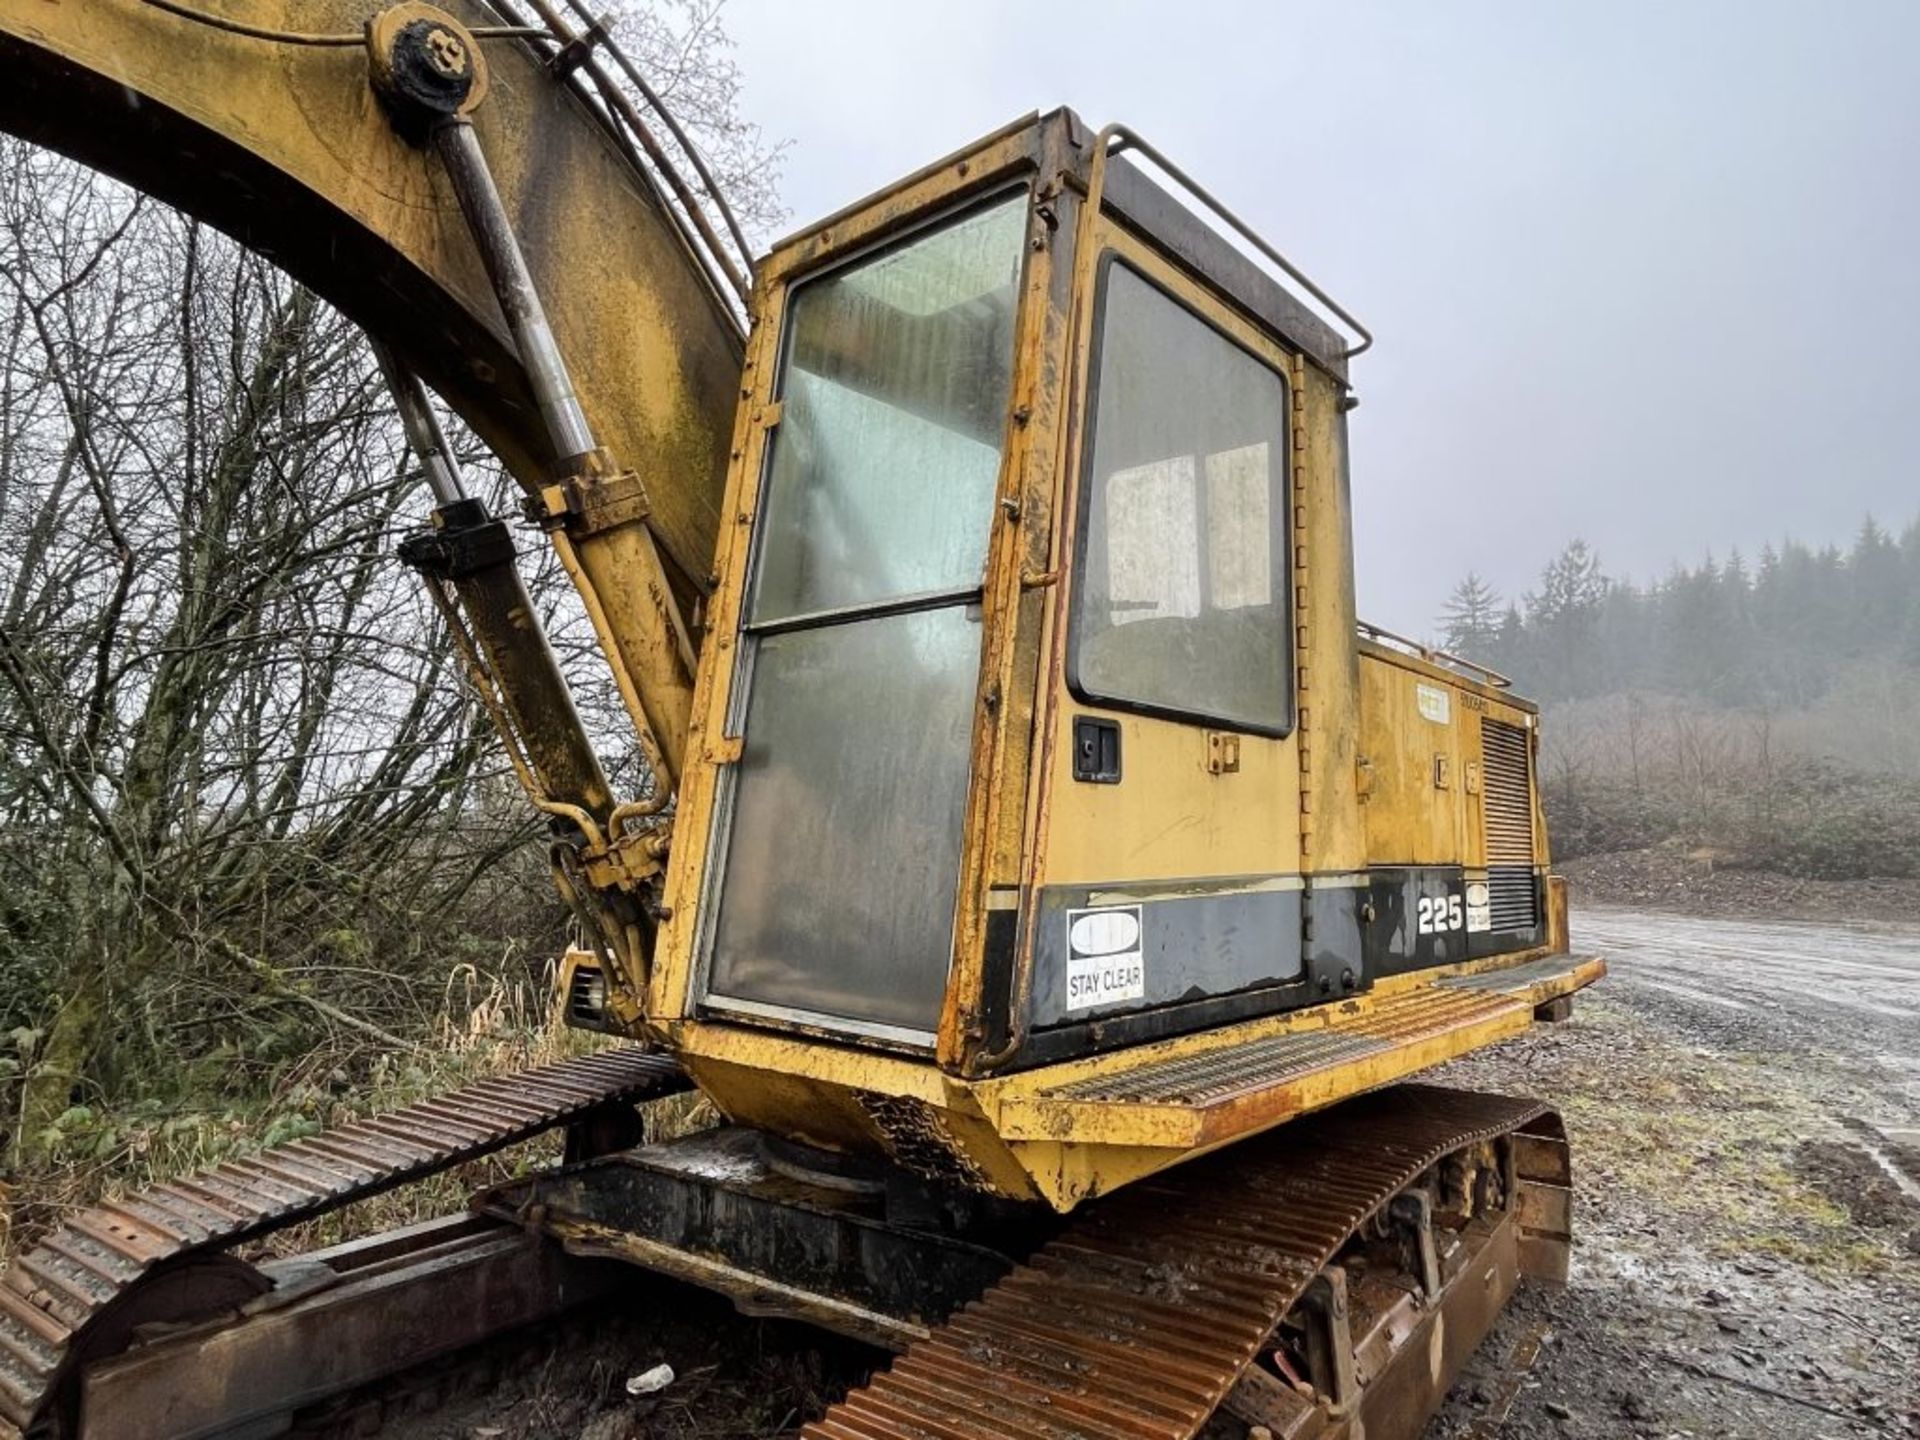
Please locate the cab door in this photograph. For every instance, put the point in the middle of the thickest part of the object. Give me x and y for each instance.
(1168, 884)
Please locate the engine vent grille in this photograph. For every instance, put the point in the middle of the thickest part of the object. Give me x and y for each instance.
(1506, 799)
(1506, 793)
(1511, 897)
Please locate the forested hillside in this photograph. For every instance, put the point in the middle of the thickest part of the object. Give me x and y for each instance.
(1763, 710)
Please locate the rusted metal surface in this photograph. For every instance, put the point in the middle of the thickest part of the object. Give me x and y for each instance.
(1184, 1096)
(61, 1296)
(1543, 1184)
(1418, 1369)
(1139, 1319)
(1203, 1079)
(727, 1210)
(1550, 971)
(336, 1320)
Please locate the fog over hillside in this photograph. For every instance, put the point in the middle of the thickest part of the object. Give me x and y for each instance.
(1761, 706)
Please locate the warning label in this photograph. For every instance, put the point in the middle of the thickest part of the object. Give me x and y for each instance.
(1105, 962)
(1479, 906)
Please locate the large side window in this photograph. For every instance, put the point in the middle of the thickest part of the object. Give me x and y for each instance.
(894, 396)
(863, 631)
(1182, 591)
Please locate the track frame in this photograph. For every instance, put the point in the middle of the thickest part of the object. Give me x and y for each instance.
(1251, 1285)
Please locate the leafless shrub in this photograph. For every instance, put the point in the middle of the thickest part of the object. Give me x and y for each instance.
(1747, 787)
(242, 795)
(255, 840)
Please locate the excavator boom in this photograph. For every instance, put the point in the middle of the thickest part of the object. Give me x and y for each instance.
(1028, 818)
(285, 147)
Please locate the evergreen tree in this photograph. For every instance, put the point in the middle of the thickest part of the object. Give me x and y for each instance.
(1470, 620)
(1693, 633)
(1779, 634)
(1561, 618)
(1508, 653)
(1742, 657)
(1878, 590)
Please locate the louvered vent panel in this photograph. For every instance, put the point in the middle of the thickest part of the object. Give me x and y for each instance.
(587, 998)
(1511, 897)
(1506, 797)
(1506, 794)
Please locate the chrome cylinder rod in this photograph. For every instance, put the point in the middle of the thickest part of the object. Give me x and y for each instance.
(424, 435)
(566, 423)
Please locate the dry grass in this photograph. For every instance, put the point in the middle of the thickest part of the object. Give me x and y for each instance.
(486, 1027)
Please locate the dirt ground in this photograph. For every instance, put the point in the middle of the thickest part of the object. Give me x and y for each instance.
(1670, 878)
(1740, 1095)
(1743, 1097)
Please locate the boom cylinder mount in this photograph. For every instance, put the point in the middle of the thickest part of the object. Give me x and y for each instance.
(430, 74)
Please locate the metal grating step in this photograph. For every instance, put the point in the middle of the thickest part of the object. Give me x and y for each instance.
(1258, 1064)
(1287, 1066)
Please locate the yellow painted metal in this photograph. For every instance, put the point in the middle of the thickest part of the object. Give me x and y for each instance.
(624, 584)
(1424, 1024)
(1018, 590)
(1170, 818)
(946, 1114)
(1421, 755)
(1330, 698)
(1018, 1136)
(287, 147)
(1292, 804)
(1414, 810)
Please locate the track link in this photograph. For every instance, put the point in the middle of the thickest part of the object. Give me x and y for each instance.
(58, 1294)
(1138, 1318)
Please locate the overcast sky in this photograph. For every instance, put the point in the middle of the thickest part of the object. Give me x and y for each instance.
(1643, 273)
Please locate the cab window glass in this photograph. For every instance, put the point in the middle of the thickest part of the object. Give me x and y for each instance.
(894, 403)
(1182, 596)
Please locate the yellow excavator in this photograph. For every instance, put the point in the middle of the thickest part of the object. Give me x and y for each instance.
(1039, 868)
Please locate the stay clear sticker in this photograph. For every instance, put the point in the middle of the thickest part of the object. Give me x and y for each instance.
(1105, 963)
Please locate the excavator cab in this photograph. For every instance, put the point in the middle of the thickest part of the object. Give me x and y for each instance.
(1011, 552)
(835, 873)
(1030, 689)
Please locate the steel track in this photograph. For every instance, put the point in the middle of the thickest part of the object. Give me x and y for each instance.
(61, 1291)
(1137, 1319)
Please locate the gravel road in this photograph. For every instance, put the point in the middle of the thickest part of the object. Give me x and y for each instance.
(1744, 1101)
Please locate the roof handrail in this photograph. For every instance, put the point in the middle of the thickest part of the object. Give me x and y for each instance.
(1434, 655)
(1116, 139)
